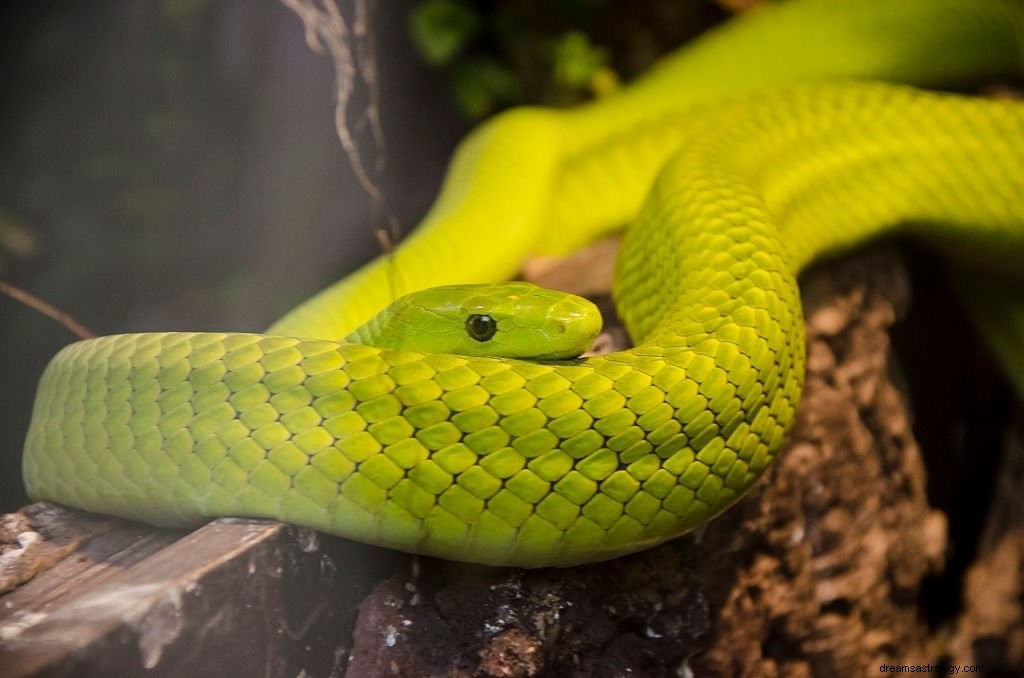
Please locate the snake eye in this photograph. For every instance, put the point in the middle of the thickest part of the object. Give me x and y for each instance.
(481, 327)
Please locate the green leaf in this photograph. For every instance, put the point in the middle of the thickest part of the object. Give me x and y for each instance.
(577, 60)
(483, 84)
(441, 28)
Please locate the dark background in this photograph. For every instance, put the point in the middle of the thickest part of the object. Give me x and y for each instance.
(173, 165)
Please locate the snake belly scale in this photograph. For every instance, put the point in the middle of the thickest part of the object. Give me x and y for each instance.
(538, 463)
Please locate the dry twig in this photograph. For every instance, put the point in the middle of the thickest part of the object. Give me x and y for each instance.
(353, 52)
(34, 302)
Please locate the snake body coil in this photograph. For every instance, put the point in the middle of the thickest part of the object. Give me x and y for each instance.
(554, 463)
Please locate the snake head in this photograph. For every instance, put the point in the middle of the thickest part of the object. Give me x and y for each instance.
(506, 320)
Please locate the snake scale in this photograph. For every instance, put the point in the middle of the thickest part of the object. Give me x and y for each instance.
(737, 161)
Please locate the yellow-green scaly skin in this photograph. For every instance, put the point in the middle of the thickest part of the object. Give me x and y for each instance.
(532, 464)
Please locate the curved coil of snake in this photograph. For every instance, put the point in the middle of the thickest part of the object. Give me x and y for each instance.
(736, 162)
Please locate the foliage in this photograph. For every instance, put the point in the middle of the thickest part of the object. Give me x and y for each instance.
(558, 52)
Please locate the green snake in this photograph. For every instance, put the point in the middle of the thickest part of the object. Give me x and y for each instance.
(737, 162)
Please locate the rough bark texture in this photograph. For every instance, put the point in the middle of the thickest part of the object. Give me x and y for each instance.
(990, 629)
(824, 570)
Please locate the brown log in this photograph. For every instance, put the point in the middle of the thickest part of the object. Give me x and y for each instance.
(232, 598)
